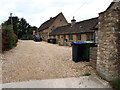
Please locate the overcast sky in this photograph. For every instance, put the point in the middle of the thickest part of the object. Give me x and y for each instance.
(38, 11)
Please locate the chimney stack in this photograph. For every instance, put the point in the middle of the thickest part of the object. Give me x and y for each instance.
(50, 17)
(73, 21)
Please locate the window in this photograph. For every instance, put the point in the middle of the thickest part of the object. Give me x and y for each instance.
(78, 36)
(60, 20)
(70, 37)
(90, 37)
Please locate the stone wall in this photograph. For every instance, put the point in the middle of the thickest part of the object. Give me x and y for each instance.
(108, 55)
(59, 21)
(93, 56)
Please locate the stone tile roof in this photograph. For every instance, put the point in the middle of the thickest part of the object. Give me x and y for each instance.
(48, 23)
(85, 26)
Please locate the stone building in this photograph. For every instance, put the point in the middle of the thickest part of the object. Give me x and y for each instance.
(75, 32)
(108, 53)
(50, 25)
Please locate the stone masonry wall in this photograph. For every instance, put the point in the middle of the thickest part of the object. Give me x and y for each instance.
(93, 56)
(108, 55)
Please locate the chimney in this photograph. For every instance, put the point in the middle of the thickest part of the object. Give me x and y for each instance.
(73, 21)
(50, 17)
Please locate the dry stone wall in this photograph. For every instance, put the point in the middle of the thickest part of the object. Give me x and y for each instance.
(108, 53)
(93, 56)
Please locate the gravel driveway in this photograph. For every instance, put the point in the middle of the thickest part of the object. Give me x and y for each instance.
(40, 60)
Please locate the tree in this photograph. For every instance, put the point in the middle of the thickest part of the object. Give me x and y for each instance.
(31, 29)
(22, 27)
(15, 23)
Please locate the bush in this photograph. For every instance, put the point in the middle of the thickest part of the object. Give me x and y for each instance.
(9, 39)
(87, 74)
(115, 84)
(27, 37)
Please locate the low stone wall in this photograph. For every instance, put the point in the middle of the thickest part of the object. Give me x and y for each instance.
(93, 56)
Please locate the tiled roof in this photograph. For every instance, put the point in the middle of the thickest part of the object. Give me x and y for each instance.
(48, 23)
(80, 27)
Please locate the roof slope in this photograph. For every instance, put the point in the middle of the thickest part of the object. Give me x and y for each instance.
(79, 27)
(48, 23)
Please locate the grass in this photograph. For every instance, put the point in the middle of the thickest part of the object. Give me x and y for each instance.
(86, 74)
(115, 84)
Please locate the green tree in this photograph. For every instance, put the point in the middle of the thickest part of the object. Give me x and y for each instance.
(31, 29)
(15, 23)
(22, 27)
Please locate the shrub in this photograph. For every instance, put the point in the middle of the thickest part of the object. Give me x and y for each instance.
(87, 74)
(27, 37)
(115, 84)
(9, 39)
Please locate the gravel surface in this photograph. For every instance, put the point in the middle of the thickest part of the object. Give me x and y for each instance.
(40, 60)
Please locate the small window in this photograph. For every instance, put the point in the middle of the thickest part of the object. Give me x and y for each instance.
(90, 37)
(81, 27)
(78, 36)
(60, 20)
(53, 27)
(70, 37)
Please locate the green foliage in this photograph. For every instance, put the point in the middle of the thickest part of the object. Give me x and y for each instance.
(27, 37)
(25, 28)
(15, 23)
(115, 84)
(14, 29)
(9, 39)
(87, 74)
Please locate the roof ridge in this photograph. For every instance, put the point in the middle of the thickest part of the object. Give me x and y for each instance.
(87, 19)
(49, 22)
(86, 27)
(79, 22)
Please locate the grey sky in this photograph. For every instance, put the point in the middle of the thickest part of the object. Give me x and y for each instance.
(38, 11)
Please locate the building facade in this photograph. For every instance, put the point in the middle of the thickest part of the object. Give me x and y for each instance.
(76, 32)
(48, 26)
